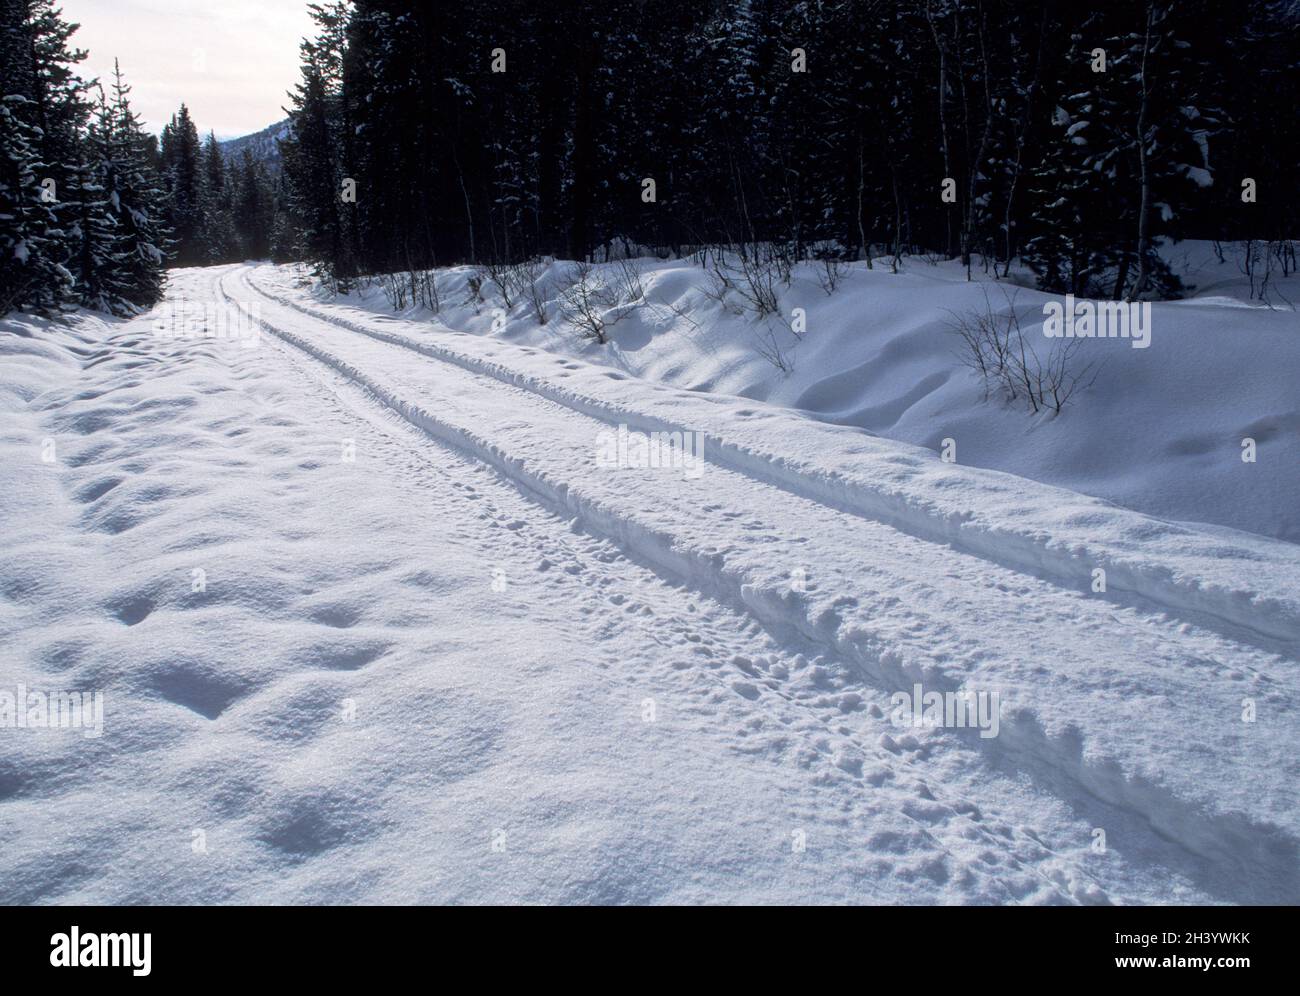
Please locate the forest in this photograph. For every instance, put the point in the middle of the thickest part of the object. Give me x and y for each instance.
(1073, 137)
(93, 208)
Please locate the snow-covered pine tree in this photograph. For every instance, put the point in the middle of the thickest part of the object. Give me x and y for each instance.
(798, 148)
(32, 275)
(284, 232)
(61, 96)
(217, 236)
(313, 181)
(1174, 115)
(1256, 141)
(136, 200)
(251, 194)
(454, 161)
(1131, 143)
(92, 238)
(1079, 187)
(652, 132)
(44, 108)
(1016, 133)
(183, 173)
(729, 142)
(313, 155)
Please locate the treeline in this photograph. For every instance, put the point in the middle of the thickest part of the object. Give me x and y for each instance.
(92, 208)
(219, 212)
(1074, 136)
(82, 214)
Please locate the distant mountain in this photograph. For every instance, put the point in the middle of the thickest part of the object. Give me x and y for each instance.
(263, 144)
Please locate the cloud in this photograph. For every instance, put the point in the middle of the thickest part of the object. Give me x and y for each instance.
(231, 61)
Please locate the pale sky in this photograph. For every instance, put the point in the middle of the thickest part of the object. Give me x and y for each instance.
(231, 61)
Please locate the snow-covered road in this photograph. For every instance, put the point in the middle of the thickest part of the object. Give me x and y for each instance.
(441, 651)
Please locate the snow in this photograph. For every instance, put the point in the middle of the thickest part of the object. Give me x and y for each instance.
(1160, 431)
(474, 663)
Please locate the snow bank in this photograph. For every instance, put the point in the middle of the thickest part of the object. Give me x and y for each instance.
(1160, 430)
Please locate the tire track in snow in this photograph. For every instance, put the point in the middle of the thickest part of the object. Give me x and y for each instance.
(1270, 620)
(1222, 830)
(940, 770)
(804, 694)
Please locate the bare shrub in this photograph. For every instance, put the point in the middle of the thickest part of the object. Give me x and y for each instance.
(597, 300)
(720, 282)
(769, 347)
(1260, 260)
(992, 343)
(1285, 251)
(426, 290)
(583, 307)
(830, 272)
(1062, 374)
(394, 288)
(678, 311)
(510, 279)
(747, 285)
(534, 290)
(474, 288)
(417, 287)
(625, 288)
(758, 288)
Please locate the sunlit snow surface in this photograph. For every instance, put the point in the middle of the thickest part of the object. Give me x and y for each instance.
(371, 624)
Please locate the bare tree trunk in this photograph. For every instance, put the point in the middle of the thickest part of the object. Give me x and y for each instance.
(862, 182)
(1144, 209)
(943, 120)
(898, 220)
(469, 214)
(1025, 121)
(1121, 276)
(984, 141)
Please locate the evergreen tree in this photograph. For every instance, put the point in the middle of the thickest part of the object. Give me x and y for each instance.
(283, 235)
(31, 274)
(253, 207)
(218, 237)
(490, 133)
(314, 153)
(186, 191)
(61, 96)
(45, 109)
(136, 200)
(80, 203)
(92, 229)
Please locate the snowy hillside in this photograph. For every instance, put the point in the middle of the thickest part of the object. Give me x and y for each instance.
(264, 145)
